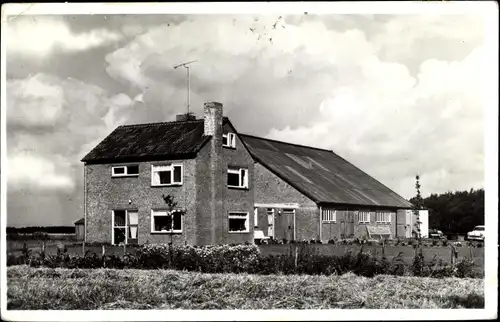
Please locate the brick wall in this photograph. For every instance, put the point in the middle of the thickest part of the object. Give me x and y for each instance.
(106, 193)
(270, 189)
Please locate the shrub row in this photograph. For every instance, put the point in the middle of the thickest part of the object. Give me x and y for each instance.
(248, 259)
(388, 242)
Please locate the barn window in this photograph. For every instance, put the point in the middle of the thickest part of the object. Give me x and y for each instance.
(363, 217)
(163, 221)
(383, 217)
(329, 215)
(238, 222)
(166, 175)
(125, 171)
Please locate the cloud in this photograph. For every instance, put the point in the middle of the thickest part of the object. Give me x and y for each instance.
(391, 104)
(37, 172)
(394, 125)
(39, 36)
(52, 123)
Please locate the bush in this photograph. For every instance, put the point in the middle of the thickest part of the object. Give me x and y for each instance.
(445, 242)
(434, 242)
(302, 258)
(331, 241)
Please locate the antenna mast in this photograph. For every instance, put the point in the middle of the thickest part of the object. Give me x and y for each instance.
(185, 65)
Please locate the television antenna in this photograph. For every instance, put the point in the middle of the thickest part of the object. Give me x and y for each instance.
(185, 65)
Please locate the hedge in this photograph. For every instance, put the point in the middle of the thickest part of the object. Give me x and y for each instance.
(246, 258)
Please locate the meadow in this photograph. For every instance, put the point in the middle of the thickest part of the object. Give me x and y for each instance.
(107, 289)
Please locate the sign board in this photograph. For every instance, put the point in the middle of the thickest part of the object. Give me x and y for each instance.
(378, 230)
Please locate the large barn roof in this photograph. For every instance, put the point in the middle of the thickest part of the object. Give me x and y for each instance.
(321, 175)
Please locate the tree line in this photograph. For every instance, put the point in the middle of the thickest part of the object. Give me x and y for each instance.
(44, 229)
(455, 212)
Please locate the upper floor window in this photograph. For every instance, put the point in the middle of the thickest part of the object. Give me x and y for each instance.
(237, 178)
(229, 140)
(166, 175)
(125, 170)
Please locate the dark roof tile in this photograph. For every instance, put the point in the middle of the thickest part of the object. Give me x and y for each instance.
(321, 174)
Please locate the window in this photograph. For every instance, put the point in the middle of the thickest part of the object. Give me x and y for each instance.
(364, 217)
(238, 222)
(237, 178)
(163, 221)
(329, 215)
(166, 175)
(229, 140)
(125, 225)
(125, 170)
(383, 217)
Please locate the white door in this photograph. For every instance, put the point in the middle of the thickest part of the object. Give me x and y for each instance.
(270, 223)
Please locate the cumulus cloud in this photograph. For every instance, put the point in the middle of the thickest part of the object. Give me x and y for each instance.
(39, 36)
(37, 172)
(394, 99)
(394, 105)
(394, 125)
(52, 124)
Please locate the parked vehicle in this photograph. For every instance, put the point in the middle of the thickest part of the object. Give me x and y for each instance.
(436, 234)
(476, 234)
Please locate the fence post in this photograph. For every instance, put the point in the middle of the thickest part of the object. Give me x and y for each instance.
(103, 254)
(296, 256)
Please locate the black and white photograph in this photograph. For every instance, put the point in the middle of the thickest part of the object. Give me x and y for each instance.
(249, 161)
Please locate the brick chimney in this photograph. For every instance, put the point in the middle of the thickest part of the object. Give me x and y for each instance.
(185, 117)
(213, 118)
(213, 127)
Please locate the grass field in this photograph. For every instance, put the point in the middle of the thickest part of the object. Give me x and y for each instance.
(66, 289)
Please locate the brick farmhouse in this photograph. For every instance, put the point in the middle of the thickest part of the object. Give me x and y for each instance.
(227, 187)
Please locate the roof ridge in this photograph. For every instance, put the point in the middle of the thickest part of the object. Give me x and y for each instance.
(167, 123)
(161, 123)
(294, 144)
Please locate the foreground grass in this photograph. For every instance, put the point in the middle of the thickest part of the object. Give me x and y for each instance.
(69, 289)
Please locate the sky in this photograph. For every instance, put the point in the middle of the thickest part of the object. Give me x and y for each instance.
(396, 95)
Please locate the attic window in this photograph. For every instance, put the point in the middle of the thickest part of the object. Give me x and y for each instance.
(229, 140)
(237, 178)
(166, 175)
(125, 171)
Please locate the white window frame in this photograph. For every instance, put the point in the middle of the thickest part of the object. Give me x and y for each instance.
(362, 214)
(247, 218)
(231, 140)
(255, 217)
(171, 166)
(329, 215)
(165, 213)
(384, 217)
(240, 172)
(125, 174)
(126, 227)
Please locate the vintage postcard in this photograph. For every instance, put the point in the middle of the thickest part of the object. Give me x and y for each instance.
(249, 161)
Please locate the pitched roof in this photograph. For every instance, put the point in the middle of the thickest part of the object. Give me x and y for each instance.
(321, 175)
(80, 221)
(153, 140)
